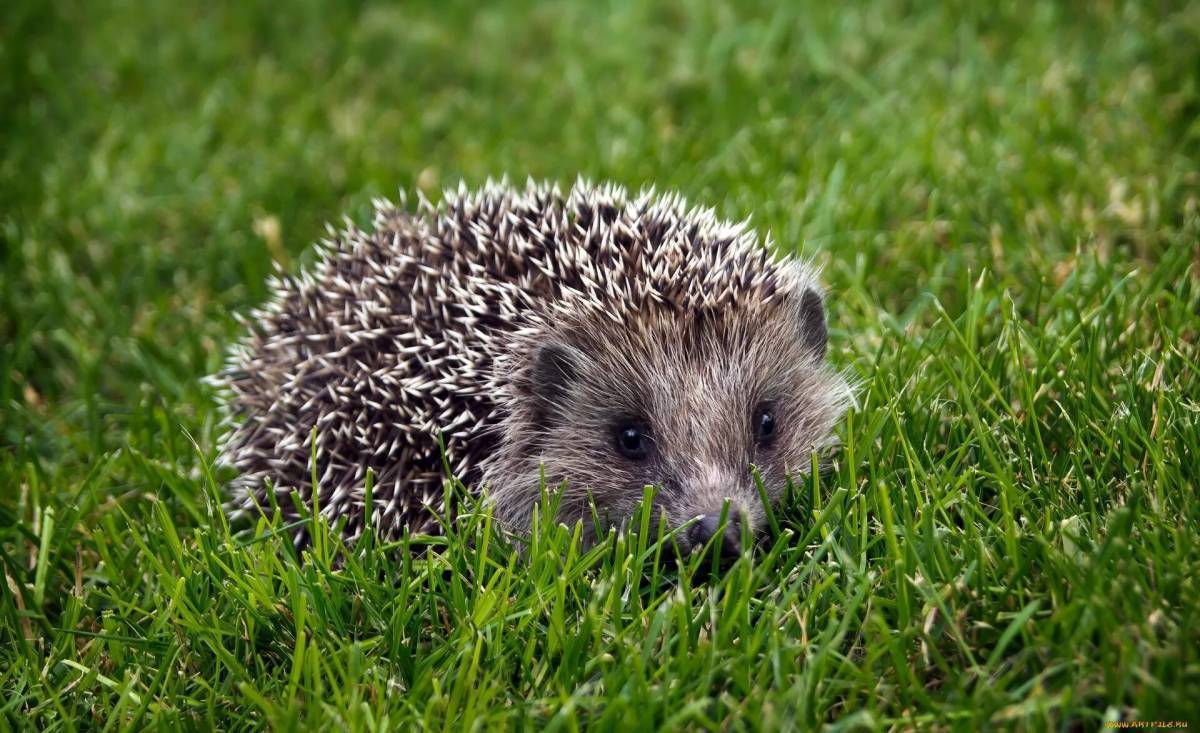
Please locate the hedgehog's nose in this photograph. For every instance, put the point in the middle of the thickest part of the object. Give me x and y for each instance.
(705, 528)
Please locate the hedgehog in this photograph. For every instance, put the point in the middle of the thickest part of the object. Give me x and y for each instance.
(595, 343)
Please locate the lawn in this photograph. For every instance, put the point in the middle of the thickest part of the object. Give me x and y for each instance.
(1005, 198)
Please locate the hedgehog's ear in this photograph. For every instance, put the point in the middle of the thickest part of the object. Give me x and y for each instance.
(813, 331)
(555, 367)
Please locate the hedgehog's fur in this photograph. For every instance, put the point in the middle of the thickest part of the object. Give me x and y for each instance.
(520, 326)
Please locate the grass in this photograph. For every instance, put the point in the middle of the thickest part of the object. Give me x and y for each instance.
(1006, 201)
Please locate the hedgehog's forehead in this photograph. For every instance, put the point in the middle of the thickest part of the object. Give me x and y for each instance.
(674, 350)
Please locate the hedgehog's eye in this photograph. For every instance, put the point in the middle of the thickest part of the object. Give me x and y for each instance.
(632, 440)
(763, 424)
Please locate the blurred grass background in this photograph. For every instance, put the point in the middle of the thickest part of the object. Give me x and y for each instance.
(1005, 200)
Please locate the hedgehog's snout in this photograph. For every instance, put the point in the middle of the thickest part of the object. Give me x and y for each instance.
(723, 534)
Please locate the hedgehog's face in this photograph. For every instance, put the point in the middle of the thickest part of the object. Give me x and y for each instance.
(689, 404)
